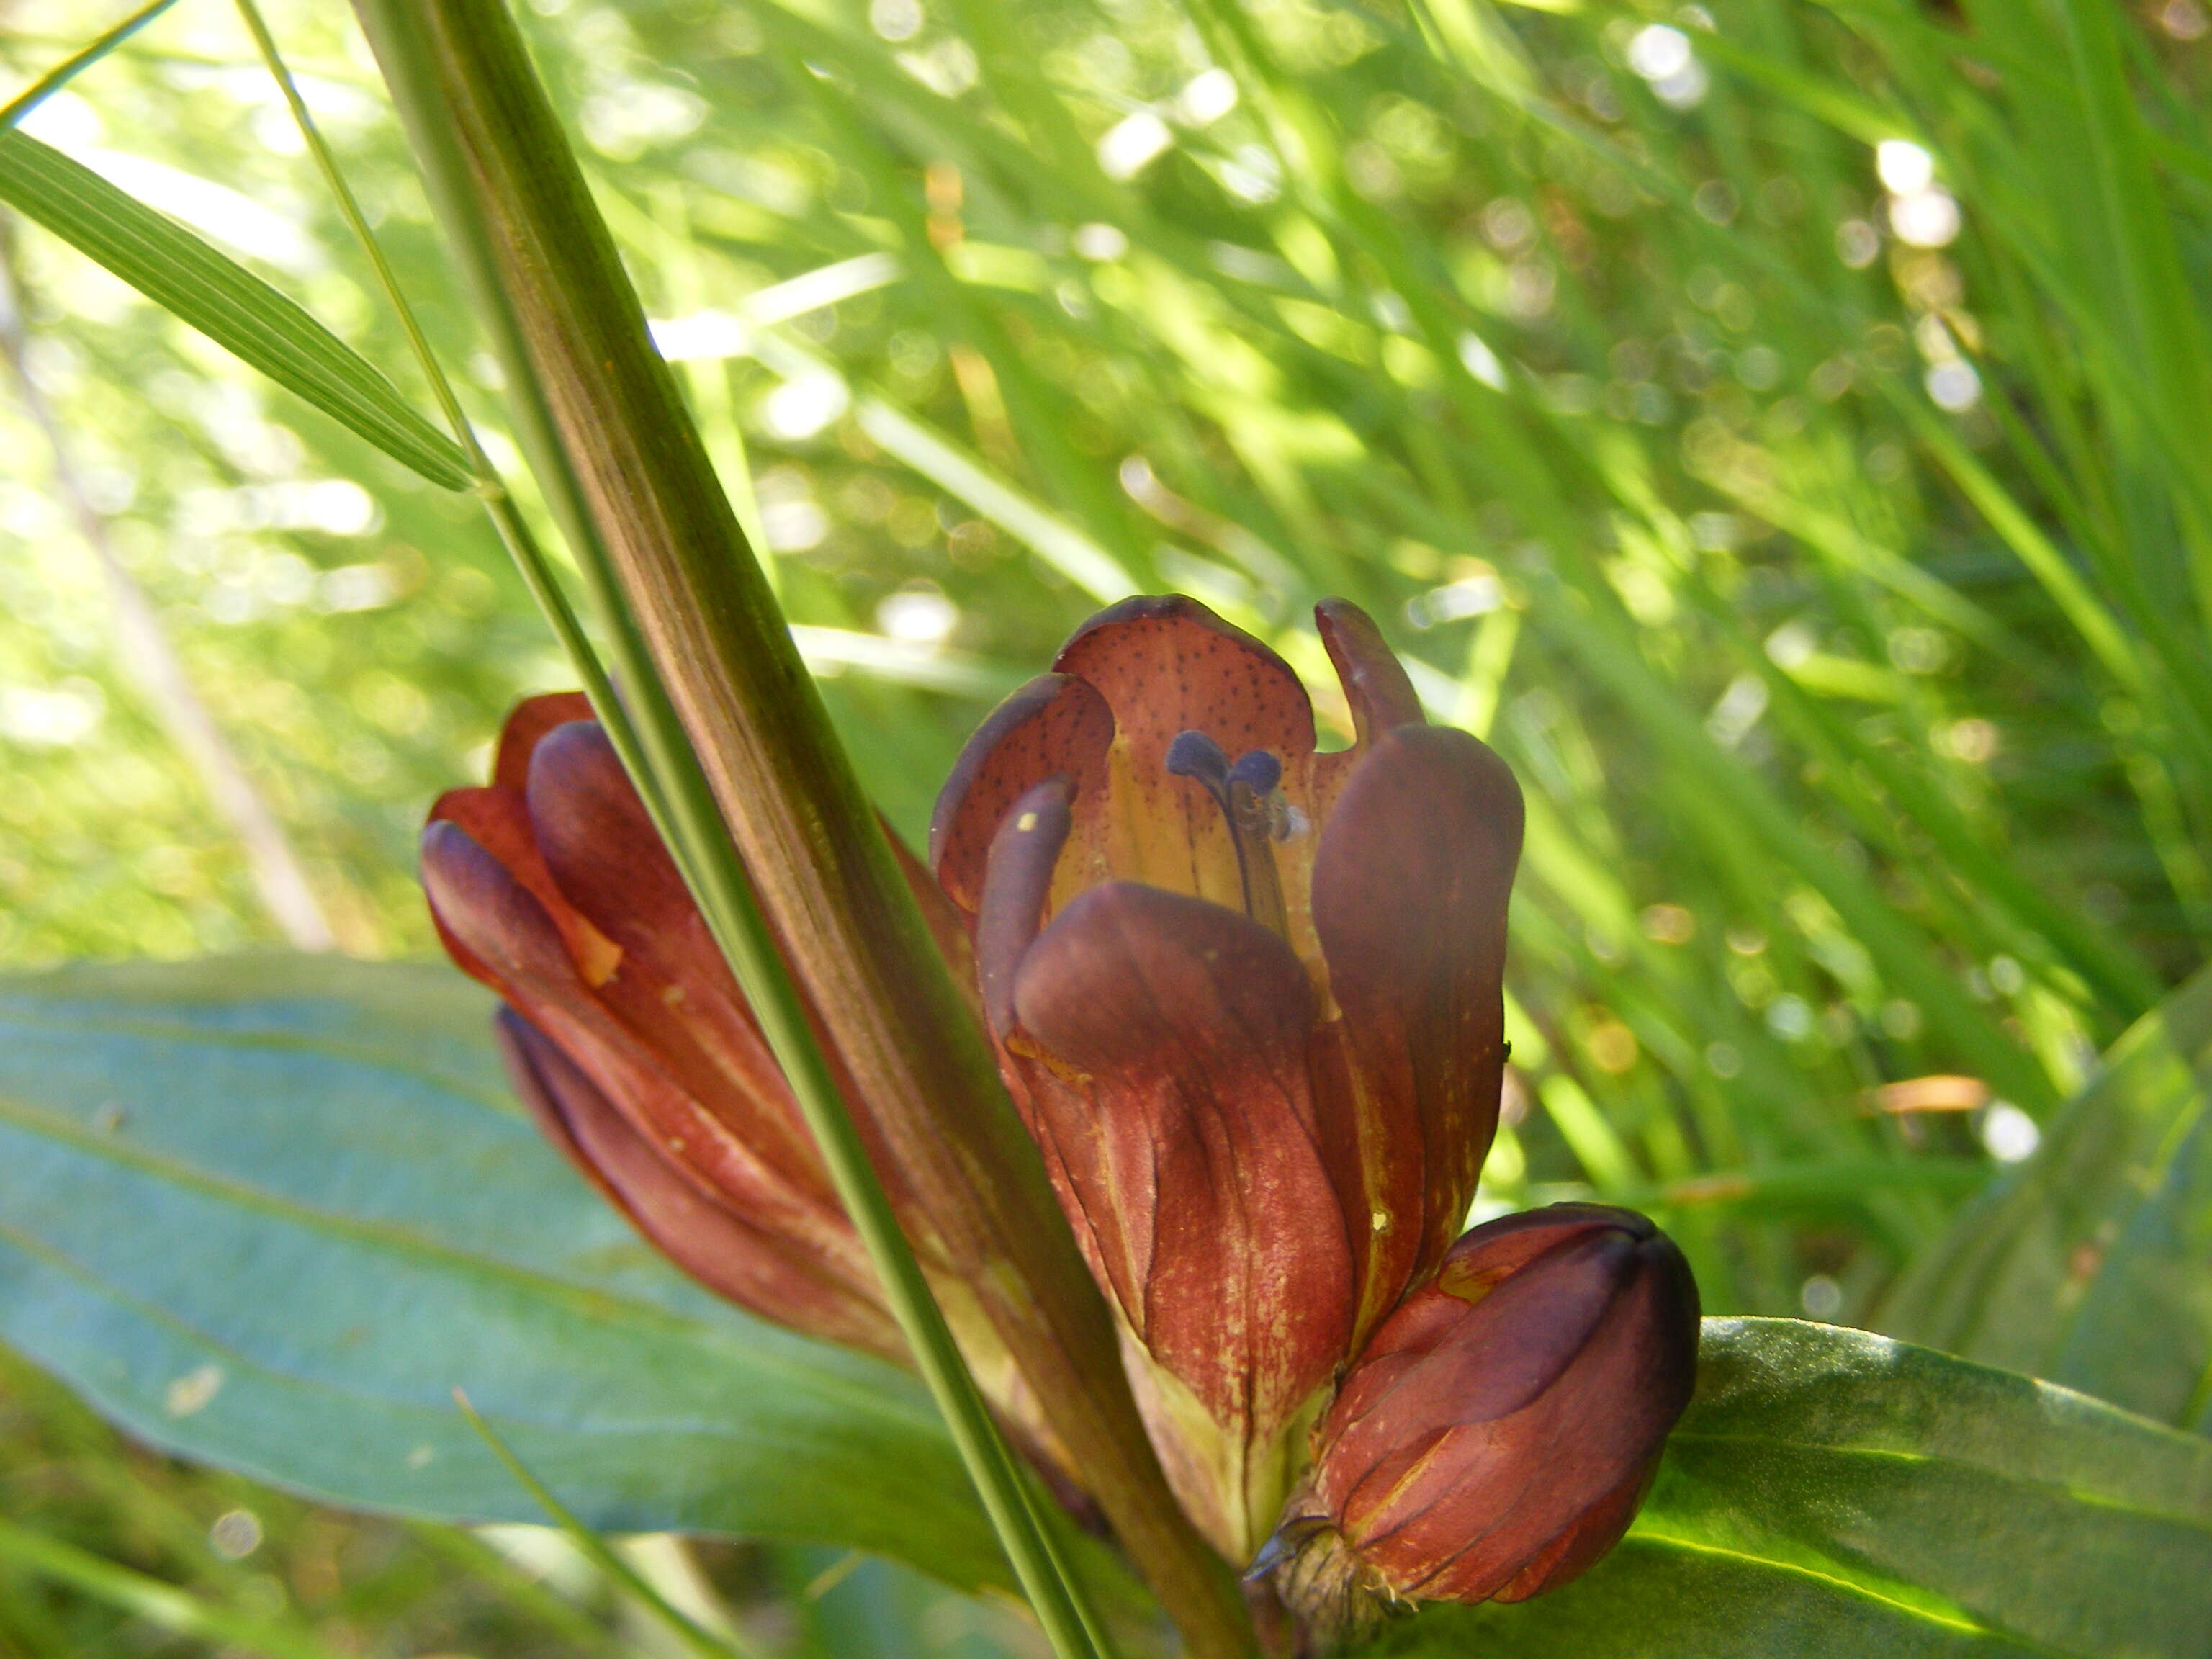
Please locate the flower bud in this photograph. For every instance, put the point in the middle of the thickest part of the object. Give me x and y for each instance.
(632, 1044)
(1495, 1436)
(551, 887)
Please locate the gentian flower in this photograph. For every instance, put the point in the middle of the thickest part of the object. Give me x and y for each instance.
(1247, 997)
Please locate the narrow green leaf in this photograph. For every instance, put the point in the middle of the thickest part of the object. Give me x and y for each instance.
(228, 303)
(1901, 951)
(1059, 543)
(1833, 1494)
(79, 61)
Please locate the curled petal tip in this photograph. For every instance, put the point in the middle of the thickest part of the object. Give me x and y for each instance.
(1019, 877)
(1054, 726)
(1375, 682)
(533, 717)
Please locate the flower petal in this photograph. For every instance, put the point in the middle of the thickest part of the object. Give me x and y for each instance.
(1023, 854)
(1186, 1141)
(1502, 1353)
(1578, 1548)
(757, 1270)
(1410, 889)
(673, 990)
(504, 921)
(1166, 665)
(1485, 1256)
(1052, 726)
(1506, 1489)
(531, 719)
(497, 820)
(1375, 683)
(1494, 1438)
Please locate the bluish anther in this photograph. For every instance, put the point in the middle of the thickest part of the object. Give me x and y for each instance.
(1247, 795)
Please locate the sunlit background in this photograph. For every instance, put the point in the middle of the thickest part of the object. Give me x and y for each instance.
(1742, 415)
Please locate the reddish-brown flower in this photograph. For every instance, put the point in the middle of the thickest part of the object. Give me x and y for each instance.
(1247, 997)
(1495, 1436)
(631, 1042)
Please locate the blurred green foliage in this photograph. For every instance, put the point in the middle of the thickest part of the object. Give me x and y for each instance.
(1775, 425)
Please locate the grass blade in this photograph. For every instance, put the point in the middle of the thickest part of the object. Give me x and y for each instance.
(225, 301)
(161, 1605)
(687, 1630)
(78, 62)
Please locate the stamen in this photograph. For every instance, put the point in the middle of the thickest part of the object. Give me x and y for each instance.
(1195, 755)
(1255, 809)
(1258, 768)
(1256, 820)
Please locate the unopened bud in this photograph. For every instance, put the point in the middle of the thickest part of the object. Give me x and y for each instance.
(1495, 1436)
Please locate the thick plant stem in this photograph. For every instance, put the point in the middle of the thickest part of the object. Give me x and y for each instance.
(627, 474)
(657, 750)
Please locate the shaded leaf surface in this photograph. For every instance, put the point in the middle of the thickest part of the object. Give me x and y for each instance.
(1834, 1492)
(269, 1212)
(2091, 1263)
(225, 301)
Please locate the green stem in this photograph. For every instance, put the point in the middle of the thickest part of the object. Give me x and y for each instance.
(692, 827)
(731, 725)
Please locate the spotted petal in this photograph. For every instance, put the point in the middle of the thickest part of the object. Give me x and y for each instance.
(1166, 665)
(1055, 725)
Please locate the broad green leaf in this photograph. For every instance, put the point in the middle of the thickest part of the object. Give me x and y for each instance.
(228, 303)
(2087, 1264)
(1833, 1493)
(269, 1213)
